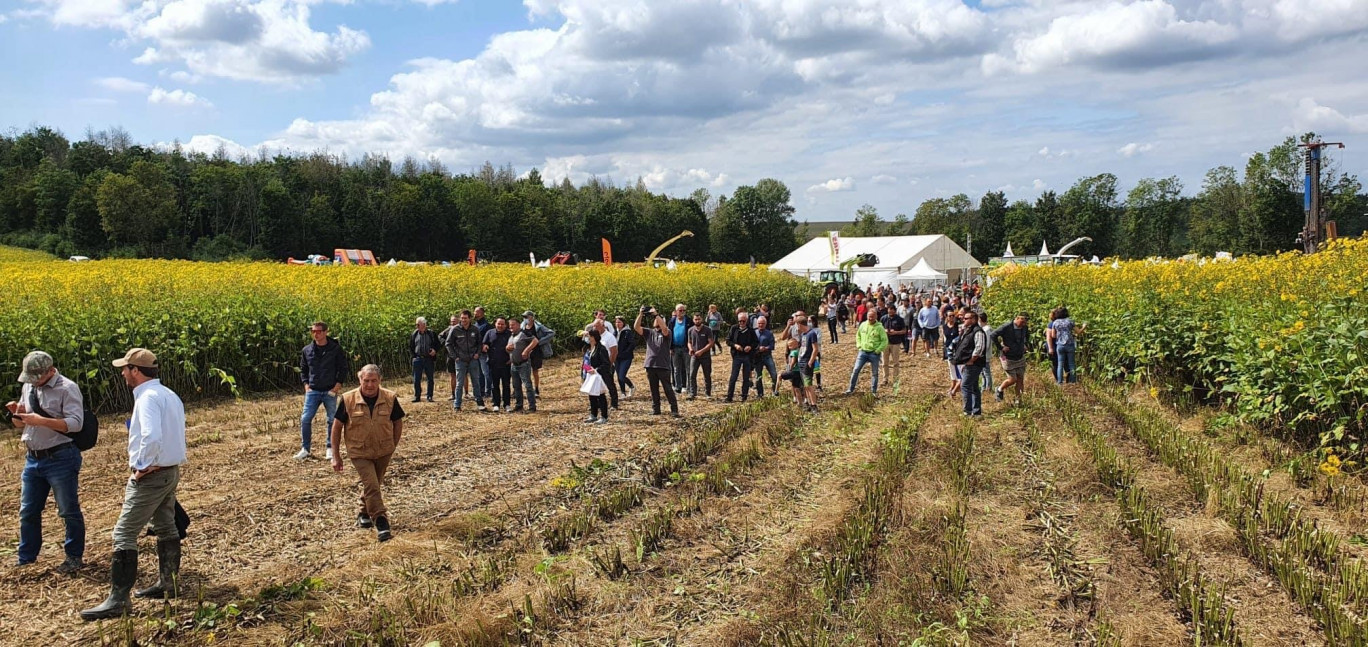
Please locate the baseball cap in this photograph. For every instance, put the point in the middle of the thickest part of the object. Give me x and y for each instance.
(137, 357)
(529, 313)
(35, 365)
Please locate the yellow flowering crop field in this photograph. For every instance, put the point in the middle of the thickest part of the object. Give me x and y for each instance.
(220, 325)
(1282, 339)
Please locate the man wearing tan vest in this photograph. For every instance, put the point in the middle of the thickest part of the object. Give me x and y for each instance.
(370, 420)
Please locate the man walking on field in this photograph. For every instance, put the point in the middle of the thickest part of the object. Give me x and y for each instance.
(156, 450)
(322, 368)
(370, 422)
(423, 349)
(1014, 338)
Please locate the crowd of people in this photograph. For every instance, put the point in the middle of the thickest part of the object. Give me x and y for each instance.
(501, 361)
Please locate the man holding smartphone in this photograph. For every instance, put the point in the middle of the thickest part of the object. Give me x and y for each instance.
(53, 463)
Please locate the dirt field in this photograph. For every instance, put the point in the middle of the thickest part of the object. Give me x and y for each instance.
(875, 521)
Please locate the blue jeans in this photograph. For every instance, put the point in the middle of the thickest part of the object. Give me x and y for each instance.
(623, 365)
(471, 368)
(487, 375)
(522, 381)
(872, 359)
(972, 389)
(59, 474)
(422, 366)
(311, 401)
(761, 363)
(1066, 365)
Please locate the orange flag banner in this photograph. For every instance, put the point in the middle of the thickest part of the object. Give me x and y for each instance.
(471, 257)
(607, 252)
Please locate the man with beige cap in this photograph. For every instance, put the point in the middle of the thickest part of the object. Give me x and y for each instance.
(156, 449)
(49, 408)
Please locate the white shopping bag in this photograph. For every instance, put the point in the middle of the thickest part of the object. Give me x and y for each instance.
(593, 384)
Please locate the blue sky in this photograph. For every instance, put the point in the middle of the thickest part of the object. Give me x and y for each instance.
(886, 102)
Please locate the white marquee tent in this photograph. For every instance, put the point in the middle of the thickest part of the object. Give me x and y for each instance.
(897, 255)
(922, 274)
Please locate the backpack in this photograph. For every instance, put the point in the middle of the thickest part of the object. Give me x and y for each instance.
(90, 425)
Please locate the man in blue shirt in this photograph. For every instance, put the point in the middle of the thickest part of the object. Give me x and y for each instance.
(679, 324)
(929, 320)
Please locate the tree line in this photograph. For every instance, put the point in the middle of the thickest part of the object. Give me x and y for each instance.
(105, 196)
(1259, 213)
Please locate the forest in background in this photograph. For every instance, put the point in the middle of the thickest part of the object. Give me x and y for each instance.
(105, 196)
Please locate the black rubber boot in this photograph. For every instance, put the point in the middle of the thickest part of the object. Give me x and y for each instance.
(168, 572)
(123, 572)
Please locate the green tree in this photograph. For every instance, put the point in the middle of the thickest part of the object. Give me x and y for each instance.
(990, 234)
(867, 223)
(138, 209)
(83, 227)
(1089, 208)
(1215, 222)
(766, 219)
(52, 188)
(281, 224)
(1155, 213)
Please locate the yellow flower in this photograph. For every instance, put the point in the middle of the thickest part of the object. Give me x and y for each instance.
(1154, 392)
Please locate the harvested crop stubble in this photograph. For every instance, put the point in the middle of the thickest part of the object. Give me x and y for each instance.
(216, 326)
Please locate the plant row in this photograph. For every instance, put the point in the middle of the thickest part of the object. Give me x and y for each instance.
(666, 469)
(1200, 599)
(1304, 557)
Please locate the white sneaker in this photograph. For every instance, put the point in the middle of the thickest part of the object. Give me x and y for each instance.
(330, 454)
(494, 408)
(302, 455)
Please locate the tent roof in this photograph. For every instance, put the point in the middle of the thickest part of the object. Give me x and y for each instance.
(922, 272)
(895, 253)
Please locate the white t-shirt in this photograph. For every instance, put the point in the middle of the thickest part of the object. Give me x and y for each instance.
(608, 338)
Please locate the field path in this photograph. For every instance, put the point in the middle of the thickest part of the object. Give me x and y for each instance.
(261, 518)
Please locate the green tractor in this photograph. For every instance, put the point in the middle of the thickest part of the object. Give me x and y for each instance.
(841, 281)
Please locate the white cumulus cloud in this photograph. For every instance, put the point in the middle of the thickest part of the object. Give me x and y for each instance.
(1312, 116)
(246, 40)
(1132, 149)
(834, 185)
(179, 98)
(121, 84)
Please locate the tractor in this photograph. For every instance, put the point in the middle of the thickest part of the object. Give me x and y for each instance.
(841, 281)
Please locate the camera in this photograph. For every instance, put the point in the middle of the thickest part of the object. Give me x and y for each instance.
(648, 315)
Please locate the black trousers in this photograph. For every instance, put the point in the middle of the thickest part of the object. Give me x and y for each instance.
(659, 378)
(831, 325)
(610, 381)
(598, 406)
(704, 363)
(741, 365)
(501, 378)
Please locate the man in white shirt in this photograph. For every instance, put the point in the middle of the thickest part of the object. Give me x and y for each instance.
(156, 449)
(608, 338)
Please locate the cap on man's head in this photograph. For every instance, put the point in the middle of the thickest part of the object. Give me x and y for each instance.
(137, 357)
(36, 365)
(529, 313)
